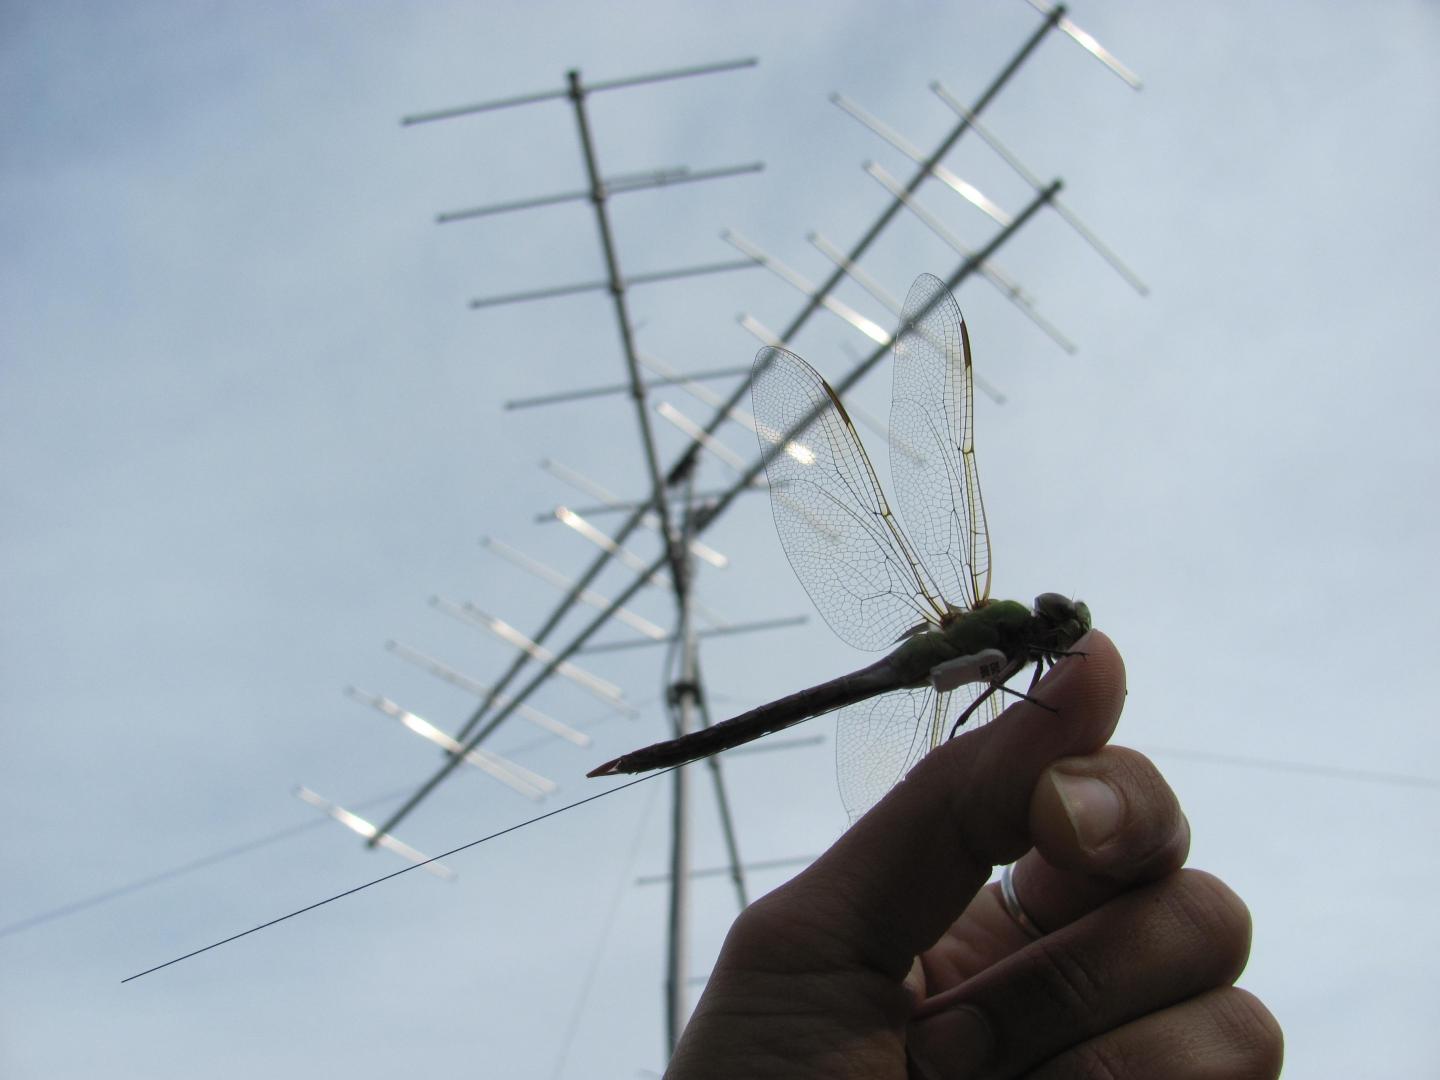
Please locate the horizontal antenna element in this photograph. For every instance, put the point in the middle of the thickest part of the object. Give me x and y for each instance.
(966, 190)
(614, 186)
(474, 686)
(1087, 42)
(465, 611)
(358, 825)
(554, 577)
(567, 475)
(1007, 286)
(517, 777)
(872, 330)
(1066, 214)
(592, 88)
(606, 286)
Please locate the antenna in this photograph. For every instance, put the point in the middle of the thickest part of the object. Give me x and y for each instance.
(672, 506)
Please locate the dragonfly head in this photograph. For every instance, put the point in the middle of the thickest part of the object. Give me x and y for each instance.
(1062, 621)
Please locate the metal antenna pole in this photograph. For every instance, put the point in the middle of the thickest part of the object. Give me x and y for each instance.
(622, 319)
(681, 696)
(722, 801)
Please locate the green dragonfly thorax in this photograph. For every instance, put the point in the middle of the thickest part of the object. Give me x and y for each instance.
(1053, 625)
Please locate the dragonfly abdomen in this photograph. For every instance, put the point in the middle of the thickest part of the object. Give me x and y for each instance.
(883, 675)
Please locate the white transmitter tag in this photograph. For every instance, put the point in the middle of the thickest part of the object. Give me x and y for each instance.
(981, 667)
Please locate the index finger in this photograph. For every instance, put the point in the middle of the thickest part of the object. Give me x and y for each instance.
(890, 887)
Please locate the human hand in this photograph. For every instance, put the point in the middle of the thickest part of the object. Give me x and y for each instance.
(890, 958)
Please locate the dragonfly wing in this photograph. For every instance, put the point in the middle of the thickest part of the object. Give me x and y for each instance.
(932, 444)
(837, 530)
(878, 740)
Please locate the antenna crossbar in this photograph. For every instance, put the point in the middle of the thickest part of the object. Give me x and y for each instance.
(593, 88)
(614, 186)
(609, 284)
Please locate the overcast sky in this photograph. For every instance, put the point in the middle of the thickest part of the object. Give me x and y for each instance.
(249, 426)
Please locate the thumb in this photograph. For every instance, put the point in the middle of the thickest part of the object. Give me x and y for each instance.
(889, 888)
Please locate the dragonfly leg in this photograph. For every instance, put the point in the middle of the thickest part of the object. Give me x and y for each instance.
(1039, 669)
(999, 684)
(969, 709)
(996, 684)
(1026, 697)
(1044, 660)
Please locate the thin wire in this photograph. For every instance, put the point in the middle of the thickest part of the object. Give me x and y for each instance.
(397, 873)
(76, 906)
(1365, 776)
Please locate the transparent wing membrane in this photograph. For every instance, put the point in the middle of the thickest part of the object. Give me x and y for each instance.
(837, 530)
(932, 410)
(877, 742)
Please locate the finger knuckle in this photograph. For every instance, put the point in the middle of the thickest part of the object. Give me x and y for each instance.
(761, 929)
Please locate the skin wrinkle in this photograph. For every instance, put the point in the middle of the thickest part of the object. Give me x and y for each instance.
(993, 933)
(1208, 1046)
(1065, 977)
(1179, 917)
(1097, 1060)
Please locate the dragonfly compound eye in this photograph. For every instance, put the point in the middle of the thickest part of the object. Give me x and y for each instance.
(1066, 619)
(1054, 607)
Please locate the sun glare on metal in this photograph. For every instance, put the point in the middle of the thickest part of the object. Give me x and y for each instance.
(530, 784)
(358, 825)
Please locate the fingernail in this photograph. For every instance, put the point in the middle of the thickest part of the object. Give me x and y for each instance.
(1092, 806)
(956, 1042)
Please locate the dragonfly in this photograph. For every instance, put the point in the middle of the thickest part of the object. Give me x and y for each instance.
(921, 590)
